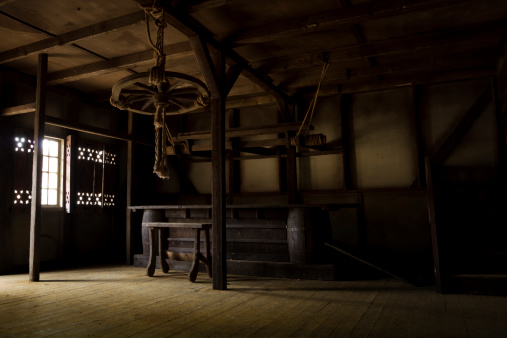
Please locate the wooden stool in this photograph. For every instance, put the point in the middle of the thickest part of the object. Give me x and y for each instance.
(156, 230)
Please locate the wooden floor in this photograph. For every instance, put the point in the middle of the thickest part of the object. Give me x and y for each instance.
(122, 301)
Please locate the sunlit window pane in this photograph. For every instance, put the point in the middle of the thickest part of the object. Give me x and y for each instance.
(53, 181)
(53, 164)
(53, 148)
(44, 197)
(44, 180)
(45, 161)
(45, 147)
(52, 197)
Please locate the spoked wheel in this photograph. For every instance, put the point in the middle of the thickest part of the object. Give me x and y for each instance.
(180, 94)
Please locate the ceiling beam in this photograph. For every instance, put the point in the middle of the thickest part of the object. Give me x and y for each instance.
(5, 2)
(333, 19)
(207, 4)
(73, 36)
(400, 81)
(17, 110)
(188, 26)
(429, 63)
(172, 52)
(448, 39)
(462, 36)
(241, 131)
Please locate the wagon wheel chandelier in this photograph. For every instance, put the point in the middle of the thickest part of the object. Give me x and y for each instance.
(159, 92)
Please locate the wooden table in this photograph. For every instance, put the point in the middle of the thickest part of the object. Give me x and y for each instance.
(156, 230)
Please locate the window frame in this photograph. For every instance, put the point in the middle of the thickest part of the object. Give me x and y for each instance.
(60, 173)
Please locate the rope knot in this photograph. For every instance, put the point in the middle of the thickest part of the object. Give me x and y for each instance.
(157, 75)
(158, 121)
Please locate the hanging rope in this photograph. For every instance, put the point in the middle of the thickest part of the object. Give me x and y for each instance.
(156, 12)
(317, 139)
(157, 77)
(160, 167)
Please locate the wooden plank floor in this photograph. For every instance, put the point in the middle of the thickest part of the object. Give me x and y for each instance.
(123, 302)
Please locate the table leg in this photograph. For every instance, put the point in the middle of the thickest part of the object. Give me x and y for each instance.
(163, 263)
(207, 249)
(150, 269)
(194, 269)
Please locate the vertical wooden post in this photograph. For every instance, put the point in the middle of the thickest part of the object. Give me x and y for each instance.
(291, 172)
(38, 138)
(416, 123)
(218, 199)
(130, 154)
(439, 283)
(234, 166)
(345, 102)
(501, 149)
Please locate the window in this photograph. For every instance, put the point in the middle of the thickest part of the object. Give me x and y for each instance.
(52, 177)
(96, 166)
(22, 169)
(94, 174)
(52, 171)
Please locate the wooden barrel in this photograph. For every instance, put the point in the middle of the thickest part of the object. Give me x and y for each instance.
(299, 236)
(149, 216)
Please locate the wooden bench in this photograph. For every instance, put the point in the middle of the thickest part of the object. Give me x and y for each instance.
(198, 256)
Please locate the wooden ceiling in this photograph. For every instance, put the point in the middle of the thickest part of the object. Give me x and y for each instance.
(279, 44)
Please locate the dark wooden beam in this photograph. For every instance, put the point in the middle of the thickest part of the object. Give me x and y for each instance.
(128, 193)
(205, 62)
(457, 133)
(334, 19)
(17, 110)
(241, 131)
(231, 76)
(173, 52)
(242, 145)
(38, 139)
(417, 135)
(71, 37)
(396, 67)
(213, 68)
(432, 42)
(5, 2)
(501, 147)
(234, 180)
(202, 5)
(440, 281)
(345, 119)
(400, 81)
(356, 31)
(291, 173)
(57, 122)
(218, 177)
(188, 26)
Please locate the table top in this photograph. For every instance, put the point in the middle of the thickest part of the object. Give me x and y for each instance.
(238, 206)
(176, 225)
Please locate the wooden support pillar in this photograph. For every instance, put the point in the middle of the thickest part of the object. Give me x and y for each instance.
(432, 211)
(130, 155)
(213, 69)
(291, 173)
(38, 138)
(501, 149)
(218, 196)
(345, 107)
(234, 166)
(218, 193)
(416, 123)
